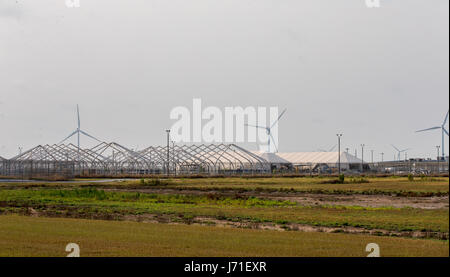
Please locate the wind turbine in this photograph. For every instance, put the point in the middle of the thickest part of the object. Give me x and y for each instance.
(443, 130)
(269, 130)
(400, 151)
(78, 131)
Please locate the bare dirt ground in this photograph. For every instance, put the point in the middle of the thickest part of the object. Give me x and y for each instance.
(435, 202)
(371, 201)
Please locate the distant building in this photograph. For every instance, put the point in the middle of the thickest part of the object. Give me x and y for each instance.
(312, 160)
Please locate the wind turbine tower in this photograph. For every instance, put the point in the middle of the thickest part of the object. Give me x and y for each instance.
(269, 131)
(399, 152)
(78, 131)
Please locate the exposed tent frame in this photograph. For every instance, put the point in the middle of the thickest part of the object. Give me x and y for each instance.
(115, 159)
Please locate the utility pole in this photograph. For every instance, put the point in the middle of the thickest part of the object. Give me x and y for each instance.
(409, 162)
(382, 157)
(174, 158)
(438, 166)
(362, 157)
(371, 157)
(339, 153)
(168, 151)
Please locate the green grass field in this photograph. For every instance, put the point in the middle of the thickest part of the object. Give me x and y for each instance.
(93, 201)
(319, 185)
(59, 213)
(421, 186)
(28, 236)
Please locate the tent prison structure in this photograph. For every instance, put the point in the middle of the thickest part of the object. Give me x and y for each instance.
(303, 161)
(115, 159)
(320, 162)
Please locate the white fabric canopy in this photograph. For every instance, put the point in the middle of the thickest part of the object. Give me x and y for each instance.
(309, 158)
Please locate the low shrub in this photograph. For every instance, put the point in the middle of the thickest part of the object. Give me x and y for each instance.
(358, 180)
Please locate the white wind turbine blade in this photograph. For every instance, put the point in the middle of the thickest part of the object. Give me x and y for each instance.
(432, 128)
(445, 120)
(405, 150)
(332, 148)
(274, 144)
(86, 134)
(256, 126)
(278, 119)
(445, 131)
(69, 136)
(395, 148)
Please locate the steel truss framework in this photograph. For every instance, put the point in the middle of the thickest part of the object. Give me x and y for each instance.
(2, 164)
(115, 159)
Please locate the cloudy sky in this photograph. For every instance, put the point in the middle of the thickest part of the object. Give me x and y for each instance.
(376, 75)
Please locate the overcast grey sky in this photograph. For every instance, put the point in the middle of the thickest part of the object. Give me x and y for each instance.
(376, 75)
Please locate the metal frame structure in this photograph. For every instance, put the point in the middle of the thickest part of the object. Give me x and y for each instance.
(214, 159)
(115, 159)
(2, 164)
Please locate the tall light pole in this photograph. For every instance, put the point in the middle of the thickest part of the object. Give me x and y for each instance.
(339, 153)
(382, 157)
(174, 158)
(346, 149)
(438, 166)
(168, 150)
(362, 157)
(371, 157)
